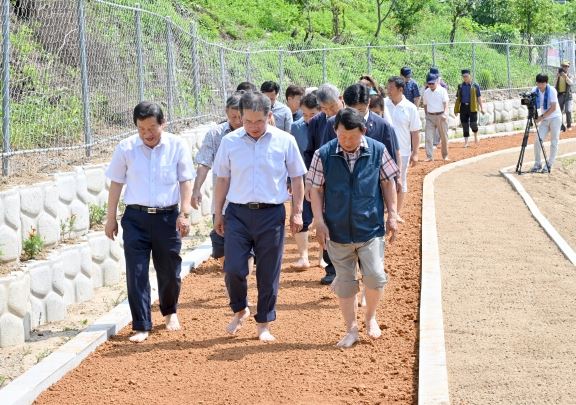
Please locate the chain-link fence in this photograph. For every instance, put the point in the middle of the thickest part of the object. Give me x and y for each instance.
(74, 69)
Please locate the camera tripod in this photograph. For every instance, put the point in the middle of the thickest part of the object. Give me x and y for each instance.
(532, 115)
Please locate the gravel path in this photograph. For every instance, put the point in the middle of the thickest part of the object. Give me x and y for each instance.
(509, 294)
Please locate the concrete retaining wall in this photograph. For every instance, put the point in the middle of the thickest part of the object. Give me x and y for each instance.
(41, 290)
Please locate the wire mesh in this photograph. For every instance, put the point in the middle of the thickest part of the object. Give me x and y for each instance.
(135, 54)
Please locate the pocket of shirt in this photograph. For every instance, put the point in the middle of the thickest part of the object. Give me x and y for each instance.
(168, 174)
(276, 160)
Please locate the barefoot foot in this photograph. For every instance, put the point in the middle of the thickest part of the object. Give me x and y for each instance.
(237, 321)
(172, 322)
(264, 333)
(138, 336)
(349, 339)
(373, 329)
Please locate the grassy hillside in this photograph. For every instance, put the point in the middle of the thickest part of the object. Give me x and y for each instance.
(46, 98)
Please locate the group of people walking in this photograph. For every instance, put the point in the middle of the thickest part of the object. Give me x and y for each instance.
(340, 158)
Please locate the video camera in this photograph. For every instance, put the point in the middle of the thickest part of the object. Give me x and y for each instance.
(528, 99)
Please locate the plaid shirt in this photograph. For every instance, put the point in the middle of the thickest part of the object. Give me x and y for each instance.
(315, 176)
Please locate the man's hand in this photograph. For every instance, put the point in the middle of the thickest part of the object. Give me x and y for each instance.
(391, 228)
(196, 199)
(296, 223)
(219, 224)
(111, 228)
(322, 233)
(414, 159)
(182, 226)
(307, 188)
(398, 184)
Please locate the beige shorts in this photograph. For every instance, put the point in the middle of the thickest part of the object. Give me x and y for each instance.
(370, 258)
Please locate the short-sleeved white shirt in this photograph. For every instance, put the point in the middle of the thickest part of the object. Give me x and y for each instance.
(434, 100)
(152, 175)
(405, 119)
(258, 169)
(552, 98)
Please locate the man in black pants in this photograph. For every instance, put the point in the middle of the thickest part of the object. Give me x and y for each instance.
(319, 133)
(468, 103)
(156, 168)
(563, 85)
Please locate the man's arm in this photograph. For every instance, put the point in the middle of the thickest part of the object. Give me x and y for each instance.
(220, 192)
(296, 222)
(415, 135)
(201, 174)
(389, 194)
(111, 228)
(182, 222)
(317, 203)
(417, 101)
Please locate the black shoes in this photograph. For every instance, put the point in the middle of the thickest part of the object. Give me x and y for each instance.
(327, 279)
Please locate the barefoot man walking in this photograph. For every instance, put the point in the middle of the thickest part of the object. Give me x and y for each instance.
(351, 179)
(157, 169)
(252, 165)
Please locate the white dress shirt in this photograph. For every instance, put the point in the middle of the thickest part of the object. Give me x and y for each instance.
(152, 175)
(258, 170)
(405, 119)
(434, 100)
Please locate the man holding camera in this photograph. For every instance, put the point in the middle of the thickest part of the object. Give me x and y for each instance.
(549, 122)
(563, 87)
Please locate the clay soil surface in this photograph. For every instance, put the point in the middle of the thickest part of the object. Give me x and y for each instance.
(555, 196)
(508, 292)
(201, 364)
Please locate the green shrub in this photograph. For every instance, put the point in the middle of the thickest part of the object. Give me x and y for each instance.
(32, 246)
(97, 214)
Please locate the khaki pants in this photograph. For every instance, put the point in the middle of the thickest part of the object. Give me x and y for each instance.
(433, 123)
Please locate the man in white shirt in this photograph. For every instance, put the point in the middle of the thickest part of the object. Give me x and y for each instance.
(156, 167)
(407, 125)
(549, 121)
(435, 101)
(252, 165)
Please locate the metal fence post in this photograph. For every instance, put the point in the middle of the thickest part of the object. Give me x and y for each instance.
(281, 68)
(139, 60)
(169, 73)
(223, 76)
(474, 60)
(433, 53)
(195, 68)
(369, 58)
(573, 54)
(508, 69)
(248, 72)
(84, 77)
(324, 71)
(6, 87)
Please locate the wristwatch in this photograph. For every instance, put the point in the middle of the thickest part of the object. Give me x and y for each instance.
(185, 215)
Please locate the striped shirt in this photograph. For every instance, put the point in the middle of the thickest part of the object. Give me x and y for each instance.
(315, 176)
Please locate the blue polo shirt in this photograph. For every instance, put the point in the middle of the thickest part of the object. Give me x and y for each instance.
(465, 90)
(411, 90)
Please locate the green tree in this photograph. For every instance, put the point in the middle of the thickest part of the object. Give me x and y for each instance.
(458, 9)
(381, 18)
(492, 12)
(407, 16)
(537, 17)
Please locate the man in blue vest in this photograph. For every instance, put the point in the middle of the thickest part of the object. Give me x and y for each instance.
(351, 179)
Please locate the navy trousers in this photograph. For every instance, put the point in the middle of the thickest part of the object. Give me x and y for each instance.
(143, 234)
(217, 243)
(262, 230)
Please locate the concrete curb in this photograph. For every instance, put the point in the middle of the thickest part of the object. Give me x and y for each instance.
(26, 388)
(565, 248)
(433, 370)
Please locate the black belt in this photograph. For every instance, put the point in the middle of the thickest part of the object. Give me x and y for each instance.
(257, 206)
(153, 210)
(438, 113)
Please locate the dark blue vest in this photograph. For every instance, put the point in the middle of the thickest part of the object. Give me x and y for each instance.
(354, 209)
